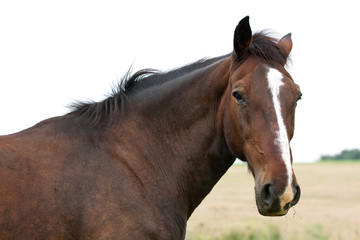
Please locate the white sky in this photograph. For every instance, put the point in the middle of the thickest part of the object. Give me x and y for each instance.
(55, 52)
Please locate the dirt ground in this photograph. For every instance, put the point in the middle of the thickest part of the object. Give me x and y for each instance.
(329, 204)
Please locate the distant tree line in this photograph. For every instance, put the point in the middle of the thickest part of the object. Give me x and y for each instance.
(353, 154)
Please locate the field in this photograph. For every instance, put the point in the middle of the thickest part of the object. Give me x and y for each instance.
(329, 207)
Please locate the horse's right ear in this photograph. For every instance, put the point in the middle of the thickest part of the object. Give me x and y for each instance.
(242, 38)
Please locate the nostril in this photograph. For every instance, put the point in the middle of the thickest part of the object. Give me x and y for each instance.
(267, 194)
(297, 195)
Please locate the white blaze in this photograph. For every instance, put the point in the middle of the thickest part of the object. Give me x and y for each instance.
(274, 78)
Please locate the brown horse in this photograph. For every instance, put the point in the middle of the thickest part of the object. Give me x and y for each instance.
(136, 165)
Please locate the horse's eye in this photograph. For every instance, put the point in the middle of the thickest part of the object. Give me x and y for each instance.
(239, 98)
(299, 97)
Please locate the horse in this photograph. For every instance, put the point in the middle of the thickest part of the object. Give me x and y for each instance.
(138, 163)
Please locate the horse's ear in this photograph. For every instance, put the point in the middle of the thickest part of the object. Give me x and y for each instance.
(242, 38)
(286, 43)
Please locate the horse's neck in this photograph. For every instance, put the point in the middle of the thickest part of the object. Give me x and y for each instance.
(179, 131)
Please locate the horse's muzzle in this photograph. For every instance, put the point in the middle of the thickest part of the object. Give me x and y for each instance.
(272, 203)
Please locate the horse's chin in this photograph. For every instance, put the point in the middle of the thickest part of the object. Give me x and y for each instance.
(272, 214)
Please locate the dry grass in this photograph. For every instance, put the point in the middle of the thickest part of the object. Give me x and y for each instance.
(329, 205)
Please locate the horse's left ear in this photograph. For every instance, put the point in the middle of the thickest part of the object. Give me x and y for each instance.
(286, 43)
(242, 38)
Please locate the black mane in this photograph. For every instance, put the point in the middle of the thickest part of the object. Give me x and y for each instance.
(268, 49)
(105, 112)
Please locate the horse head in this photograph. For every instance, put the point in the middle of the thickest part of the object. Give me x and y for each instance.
(259, 120)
